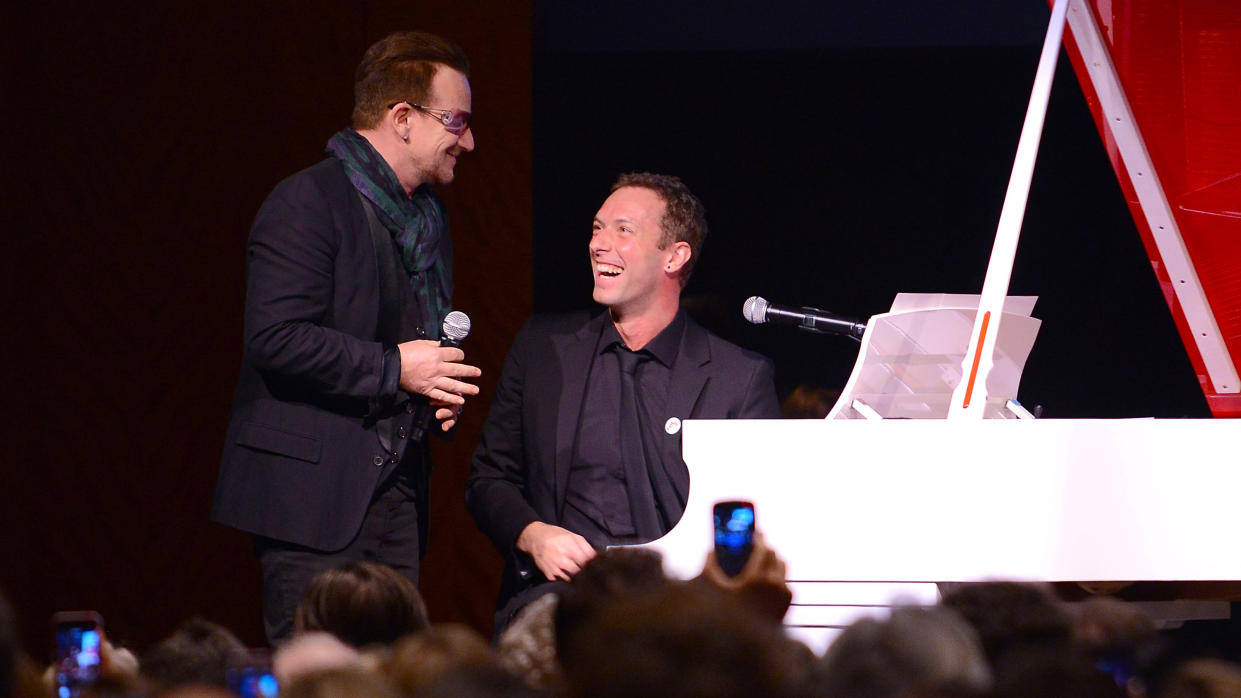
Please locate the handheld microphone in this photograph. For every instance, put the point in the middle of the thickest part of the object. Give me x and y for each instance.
(453, 331)
(758, 311)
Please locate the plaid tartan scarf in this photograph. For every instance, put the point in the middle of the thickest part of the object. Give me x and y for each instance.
(416, 223)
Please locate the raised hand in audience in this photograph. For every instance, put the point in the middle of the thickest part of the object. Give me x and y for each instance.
(761, 582)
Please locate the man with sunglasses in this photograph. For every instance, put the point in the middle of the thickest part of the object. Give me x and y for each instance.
(349, 268)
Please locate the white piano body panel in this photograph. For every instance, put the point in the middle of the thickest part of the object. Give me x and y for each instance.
(907, 503)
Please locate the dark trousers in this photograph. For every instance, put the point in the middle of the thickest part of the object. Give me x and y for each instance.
(389, 535)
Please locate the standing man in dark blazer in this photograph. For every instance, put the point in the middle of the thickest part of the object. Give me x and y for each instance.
(348, 277)
(582, 446)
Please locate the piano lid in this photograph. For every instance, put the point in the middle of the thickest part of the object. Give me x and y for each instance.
(1178, 66)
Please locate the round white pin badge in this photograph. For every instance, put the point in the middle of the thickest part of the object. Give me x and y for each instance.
(673, 425)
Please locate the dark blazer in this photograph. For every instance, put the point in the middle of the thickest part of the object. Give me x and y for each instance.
(301, 455)
(521, 467)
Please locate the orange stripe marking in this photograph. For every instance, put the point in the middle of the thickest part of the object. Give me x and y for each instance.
(969, 388)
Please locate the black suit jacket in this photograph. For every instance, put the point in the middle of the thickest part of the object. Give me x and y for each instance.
(521, 466)
(301, 456)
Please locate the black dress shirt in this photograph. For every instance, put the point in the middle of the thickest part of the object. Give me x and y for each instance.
(596, 499)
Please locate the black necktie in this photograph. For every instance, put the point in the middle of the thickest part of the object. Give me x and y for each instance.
(646, 519)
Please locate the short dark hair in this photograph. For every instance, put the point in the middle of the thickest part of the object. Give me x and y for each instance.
(684, 219)
(330, 683)
(610, 575)
(915, 651)
(362, 603)
(1010, 614)
(419, 661)
(683, 640)
(400, 67)
(197, 652)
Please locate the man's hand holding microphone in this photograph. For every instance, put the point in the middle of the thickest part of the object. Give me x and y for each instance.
(435, 369)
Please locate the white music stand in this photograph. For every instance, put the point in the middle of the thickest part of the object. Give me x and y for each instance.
(911, 356)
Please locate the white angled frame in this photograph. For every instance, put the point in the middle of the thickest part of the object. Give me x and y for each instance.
(969, 400)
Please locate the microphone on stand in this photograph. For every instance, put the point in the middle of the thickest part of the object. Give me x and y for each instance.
(759, 311)
(453, 331)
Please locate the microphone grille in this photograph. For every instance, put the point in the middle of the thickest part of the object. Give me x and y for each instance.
(755, 309)
(456, 326)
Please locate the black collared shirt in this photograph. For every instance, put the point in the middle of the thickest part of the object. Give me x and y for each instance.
(596, 500)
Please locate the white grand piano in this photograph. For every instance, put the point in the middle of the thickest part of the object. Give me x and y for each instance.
(929, 470)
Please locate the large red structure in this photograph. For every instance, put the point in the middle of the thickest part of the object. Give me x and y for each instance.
(1179, 66)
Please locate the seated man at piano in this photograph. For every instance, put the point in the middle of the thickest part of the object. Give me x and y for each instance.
(582, 447)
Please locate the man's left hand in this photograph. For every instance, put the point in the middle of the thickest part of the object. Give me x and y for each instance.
(447, 414)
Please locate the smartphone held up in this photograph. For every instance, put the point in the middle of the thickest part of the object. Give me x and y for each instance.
(79, 647)
(250, 675)
(734, 535)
